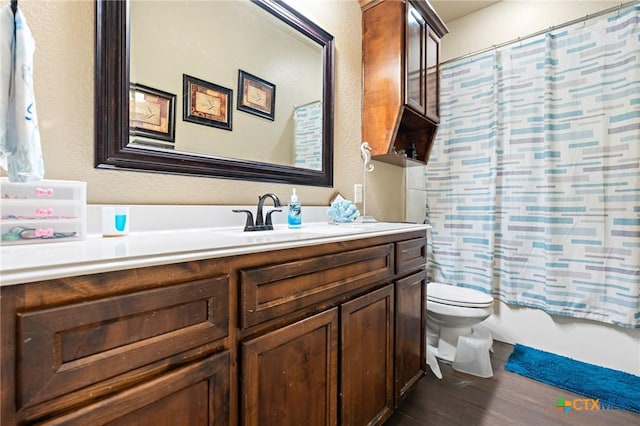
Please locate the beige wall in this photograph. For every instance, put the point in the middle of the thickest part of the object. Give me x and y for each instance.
(64, 32)
(510, 19)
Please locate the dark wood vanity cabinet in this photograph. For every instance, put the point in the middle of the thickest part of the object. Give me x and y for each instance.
(291, 375)
(320, 335)
(289, 371)
(401, 74)
(116, 348)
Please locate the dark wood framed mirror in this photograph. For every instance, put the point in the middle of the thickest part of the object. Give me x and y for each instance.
(113, 145)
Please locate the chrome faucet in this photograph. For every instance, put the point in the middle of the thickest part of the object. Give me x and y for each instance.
(261, 224)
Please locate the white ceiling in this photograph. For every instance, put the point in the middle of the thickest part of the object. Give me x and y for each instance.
(450, 10)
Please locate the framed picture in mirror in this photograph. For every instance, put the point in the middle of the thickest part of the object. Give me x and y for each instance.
(152, 113)
(256, 96)
(206, 103)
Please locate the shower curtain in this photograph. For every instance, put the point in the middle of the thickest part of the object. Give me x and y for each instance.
(533, 184)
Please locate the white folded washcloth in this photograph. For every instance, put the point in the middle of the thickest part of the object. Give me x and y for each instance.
(20, 150)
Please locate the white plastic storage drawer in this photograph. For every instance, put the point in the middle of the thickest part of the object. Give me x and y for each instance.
(43, 211)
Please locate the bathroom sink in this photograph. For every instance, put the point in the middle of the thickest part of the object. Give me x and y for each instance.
(315, 230)
(321, 229)
(333, 229)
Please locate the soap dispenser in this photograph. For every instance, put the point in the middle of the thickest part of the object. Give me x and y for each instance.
(294, 218)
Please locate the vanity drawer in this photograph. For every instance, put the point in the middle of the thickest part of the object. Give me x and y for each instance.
(268, 292)
(66, 348)
(411, 255)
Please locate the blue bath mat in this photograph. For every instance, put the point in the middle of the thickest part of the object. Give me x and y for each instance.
(613, 388)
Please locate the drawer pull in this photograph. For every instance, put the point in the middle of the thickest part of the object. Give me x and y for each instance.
(44, 212)
(48, 232)
(44, 192)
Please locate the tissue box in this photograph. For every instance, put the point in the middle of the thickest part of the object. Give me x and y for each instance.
(42, 211)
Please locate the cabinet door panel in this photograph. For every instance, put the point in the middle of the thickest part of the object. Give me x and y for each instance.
(367, 358)
(432, 106)
(383, 84)
(410, 333)
(415, 60)
(194, 395)
(65, 348)
(289, 376)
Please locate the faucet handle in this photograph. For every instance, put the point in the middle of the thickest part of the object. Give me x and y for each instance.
(248, 226)
(268, 225)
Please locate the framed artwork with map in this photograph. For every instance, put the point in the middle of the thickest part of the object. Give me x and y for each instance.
(256, 96)
(206, 103)
(152, 113)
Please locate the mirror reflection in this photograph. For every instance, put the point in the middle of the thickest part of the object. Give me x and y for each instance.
(246, 85)
(238, 90)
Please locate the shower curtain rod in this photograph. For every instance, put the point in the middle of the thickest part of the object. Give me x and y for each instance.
(551, 28)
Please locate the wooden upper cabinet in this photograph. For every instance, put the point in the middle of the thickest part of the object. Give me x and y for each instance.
(400, 59)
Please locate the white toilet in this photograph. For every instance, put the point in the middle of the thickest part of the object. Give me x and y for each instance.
(453, 312)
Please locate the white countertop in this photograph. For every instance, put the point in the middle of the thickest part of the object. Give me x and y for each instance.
(36, 262)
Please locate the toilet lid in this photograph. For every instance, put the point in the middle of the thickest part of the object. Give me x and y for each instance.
(458, 296)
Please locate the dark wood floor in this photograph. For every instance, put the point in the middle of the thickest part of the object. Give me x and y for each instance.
(461, 399)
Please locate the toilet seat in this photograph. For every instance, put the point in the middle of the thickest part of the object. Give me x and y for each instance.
(458, 296)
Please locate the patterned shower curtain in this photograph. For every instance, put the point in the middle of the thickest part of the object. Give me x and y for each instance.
(533, 185)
